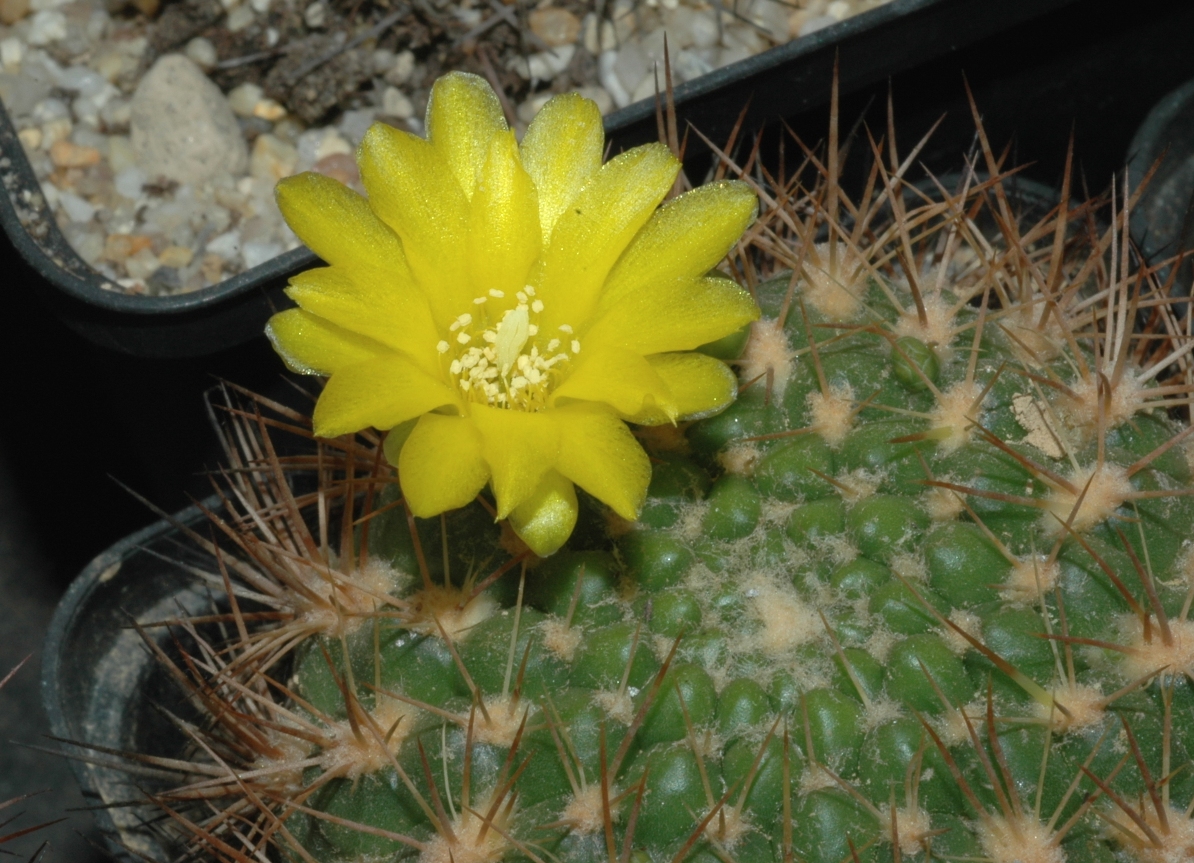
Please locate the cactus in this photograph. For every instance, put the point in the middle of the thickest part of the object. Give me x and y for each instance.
(922, 592)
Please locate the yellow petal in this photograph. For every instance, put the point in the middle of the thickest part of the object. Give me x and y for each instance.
(414, 191)
(504, 222)
(686, 238)
(561, 150)
(463, 114)
(519, 448)
(598, 453)
(336, 223)
(596, 228)
(311, 345)
(374, 303)
(440, 466)
(676, 316)
(622, 379)
(700, 385)
(380, 392)
(545, 520)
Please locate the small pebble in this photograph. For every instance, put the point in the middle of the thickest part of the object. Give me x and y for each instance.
(400, 72)
(65, 154)
(315, 15)
(202, 53)
(78, 209)
(556, 27)
(130, 182)
(395, 104)
(141, 265)
(30, 138)
(120, 247)
(332, 143)
(339, 166)
(239, 18)
(272, 158)
(226, 245)
(176, 256)
(46, 27)
(243, 99)
(257, 252)
(11, 52)
(259, 6)
(211, 268)
(12, 11)
(269, 110)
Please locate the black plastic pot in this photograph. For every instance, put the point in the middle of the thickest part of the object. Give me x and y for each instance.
(1163, 219)
(101, 685)
(786, 81)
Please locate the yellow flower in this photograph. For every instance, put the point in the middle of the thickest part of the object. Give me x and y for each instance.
(511, 306)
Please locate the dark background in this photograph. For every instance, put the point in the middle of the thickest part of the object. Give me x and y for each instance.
(74, 416)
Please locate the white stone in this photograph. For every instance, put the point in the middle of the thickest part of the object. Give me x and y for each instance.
(705, 32)
(631, 67)
(609, 36)
(331, 143)
(182, 127)
(243, 99)
(116, 114)
(272, 36)
(239, 18)
(609, 79)
(532, 106)
(46, 27)
(76, 208)
(128, 182)
(689, 64)
(839, 9)
(120, 153)
(355, 123)
(383, 60)
(400, 72)
(226, 245)
(544, 65)
(260, 6)
(647, 88)
(55, 131)
(315, 15)
(812, 25)
(10, 52)
(591, 34)
(141, 265)
(395, 104)
(202, 53)
(257, 252)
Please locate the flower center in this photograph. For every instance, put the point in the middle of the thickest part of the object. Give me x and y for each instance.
(499, 358)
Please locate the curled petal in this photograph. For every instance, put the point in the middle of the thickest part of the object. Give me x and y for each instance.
(622, 379)
(596, 228)
(375, 303)
(504, 221)
(545, 520)
(598, 453)
(414, 191)
(336, 223)
(379, 392)
(561, 150)
(685, 238)
(519, 448)
(700, 385)
(679, 316)
(311, 345)
(463, 115)
(440, 465)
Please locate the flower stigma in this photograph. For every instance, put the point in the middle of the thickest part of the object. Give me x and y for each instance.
(500, 364)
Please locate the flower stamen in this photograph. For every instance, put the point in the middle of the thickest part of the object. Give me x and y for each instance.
(509, 370)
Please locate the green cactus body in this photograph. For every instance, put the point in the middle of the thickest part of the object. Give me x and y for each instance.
(862, 609)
